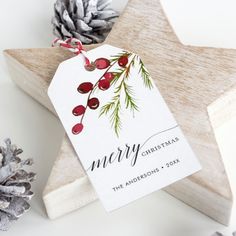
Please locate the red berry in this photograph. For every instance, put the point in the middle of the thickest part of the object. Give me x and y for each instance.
(93, 103)
(109, 76)
(77, 128)
(123, 61)
(104, 84)
(102, 63)
(78, 110)
(85, 87)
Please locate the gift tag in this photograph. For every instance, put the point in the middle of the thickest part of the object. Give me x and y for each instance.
(121, 128)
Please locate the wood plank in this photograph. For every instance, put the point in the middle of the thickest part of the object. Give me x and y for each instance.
(191, 79)
(68, 187)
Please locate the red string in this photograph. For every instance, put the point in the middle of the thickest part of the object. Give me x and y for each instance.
(74, 45)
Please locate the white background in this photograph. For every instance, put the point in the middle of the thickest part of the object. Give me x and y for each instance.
(26, 24)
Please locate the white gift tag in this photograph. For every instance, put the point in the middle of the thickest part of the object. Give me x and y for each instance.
(122, 130)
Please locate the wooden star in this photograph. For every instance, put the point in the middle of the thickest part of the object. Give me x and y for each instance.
(198, 84)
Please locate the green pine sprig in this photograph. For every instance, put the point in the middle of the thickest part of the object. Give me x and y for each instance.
(115, 117)
(145, 75)
(129, 99)
(118, 75)
(121, 76)
(113, 107)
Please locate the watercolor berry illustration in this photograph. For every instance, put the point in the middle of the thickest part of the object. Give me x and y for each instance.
(117, 79)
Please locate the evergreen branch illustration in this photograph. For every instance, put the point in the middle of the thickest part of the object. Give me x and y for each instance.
(115, 117)
(113, 61)
(107, 108)
(127, 70)
(145, 75)
(117, 77)
(129, 100)
(115, 105)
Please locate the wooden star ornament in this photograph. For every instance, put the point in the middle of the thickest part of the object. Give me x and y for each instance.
(198, 84)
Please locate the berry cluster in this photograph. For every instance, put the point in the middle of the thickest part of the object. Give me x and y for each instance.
(103, 83)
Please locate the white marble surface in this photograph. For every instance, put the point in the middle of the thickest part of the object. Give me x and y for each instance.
(26, 24)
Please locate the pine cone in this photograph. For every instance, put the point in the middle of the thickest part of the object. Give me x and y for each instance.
(14, 185)
(220, 234)
(87, 20)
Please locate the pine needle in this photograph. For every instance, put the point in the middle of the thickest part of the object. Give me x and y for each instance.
(145, 75)
(115, 118)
